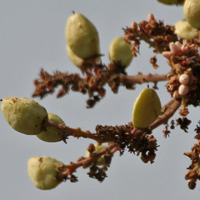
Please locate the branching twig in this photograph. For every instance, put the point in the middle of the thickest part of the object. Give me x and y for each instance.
(90, 84)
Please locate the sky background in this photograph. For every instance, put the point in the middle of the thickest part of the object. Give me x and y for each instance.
(32, 36)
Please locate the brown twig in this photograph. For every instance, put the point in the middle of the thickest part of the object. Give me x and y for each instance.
(170, 109)
(90, 84)
(112, 148)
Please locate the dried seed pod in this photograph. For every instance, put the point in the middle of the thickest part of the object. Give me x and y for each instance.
(183, 90)
(191, 11)
(120, 51)
(146, 108)
(184, 79)
(170, 2)
(82, 36)
(184, 30)
(42, 172)
(51, 134)
(77, 61)
(24, 115)
(98, 148)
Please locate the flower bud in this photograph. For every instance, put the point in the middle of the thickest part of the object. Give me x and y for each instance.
(176, 95)
(120, 51)
(184, 79)
(51, 134)
(183, 90)
(82, 36)
(184, 30)
(42, 172)
(24, 115)
(146, 108)
(191, 11)
(167, 54)
(98, 148)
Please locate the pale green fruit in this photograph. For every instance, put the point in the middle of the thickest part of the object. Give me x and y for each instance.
(146, 108)
(98, 148)
(82, 36)
(120, 51)
(24, 115)
(170, 2)
(191, 11)
(51, 134)
(77, 61)
(42, 172)
(184, 30)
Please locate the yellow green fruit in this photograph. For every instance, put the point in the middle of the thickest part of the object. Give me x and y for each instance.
(120, 51)
(146, 108)
(42, 172)
(51, 134)
(184, 30)
(23, 114)
(77, 61)
(98, 148)
(191, 11)
(170, 2)
(82, 36)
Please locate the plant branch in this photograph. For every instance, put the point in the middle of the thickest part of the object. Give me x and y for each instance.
(92, 84)
(86, 162)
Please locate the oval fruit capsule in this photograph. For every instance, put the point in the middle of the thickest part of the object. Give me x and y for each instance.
(77, 61)
(120, 51)
(24, 115)
(170, 2)
(184, 30)
(82, 36)
(146, 108)
(51, 134)
(42, 172)
(191, 11)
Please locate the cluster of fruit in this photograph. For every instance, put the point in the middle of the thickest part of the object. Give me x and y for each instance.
(28, 117)
(83, 43)
(187, 28)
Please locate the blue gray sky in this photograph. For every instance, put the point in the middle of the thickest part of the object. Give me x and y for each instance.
(32, 37)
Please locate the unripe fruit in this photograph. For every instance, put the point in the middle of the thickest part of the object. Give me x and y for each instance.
(24, 115)
(146, 108)
(77, 61)
(51, 134)
(191, 11)
(120, 51)
(82, 36)
(184, 30)
(42, 172)
(170, 2)
(98, 148)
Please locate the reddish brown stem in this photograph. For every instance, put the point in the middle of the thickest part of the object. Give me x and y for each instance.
(140, 78)
(170, 108)
(72, 131)
(168, 111)
(112, 148)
